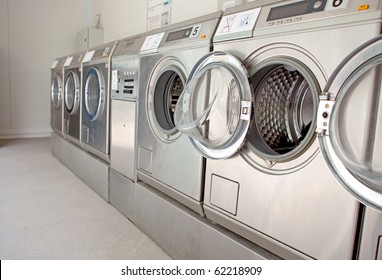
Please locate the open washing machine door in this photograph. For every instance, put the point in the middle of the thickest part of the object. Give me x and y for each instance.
(214, 109)
(350, 123)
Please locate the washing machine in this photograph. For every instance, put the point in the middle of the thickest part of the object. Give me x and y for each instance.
(56, 87)
(166, 159)
(72, 97)
(124, 115)
(252, 108)
(95, 123)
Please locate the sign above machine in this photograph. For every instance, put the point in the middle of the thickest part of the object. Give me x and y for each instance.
(239, 25)
(68, 61)
(152, 43)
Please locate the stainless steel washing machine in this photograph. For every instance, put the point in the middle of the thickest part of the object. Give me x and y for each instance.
(72, 97)
(166, 159)
(124, 115)
(56, 87)
(96, 73)
(251, 108)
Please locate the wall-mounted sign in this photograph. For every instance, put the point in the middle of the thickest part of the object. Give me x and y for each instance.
(158, 13)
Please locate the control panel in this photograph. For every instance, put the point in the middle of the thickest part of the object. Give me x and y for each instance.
(124, 76)
(102, 52)
(295, 12)
(287, 16)
(73, 60)
(305, 7)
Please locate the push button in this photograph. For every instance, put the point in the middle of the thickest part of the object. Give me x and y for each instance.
(363, 7)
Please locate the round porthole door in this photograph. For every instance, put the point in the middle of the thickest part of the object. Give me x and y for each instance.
(350, 123)
(214, 109)
(56, 91)
(72, 93)
(94, 95)
(165, 85)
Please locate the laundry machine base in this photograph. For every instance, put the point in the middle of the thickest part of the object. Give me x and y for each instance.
(93, 171)
(183, 234)
(72, 139)
(121, 194)
(95, 152)
(197, 206)
(257, 237)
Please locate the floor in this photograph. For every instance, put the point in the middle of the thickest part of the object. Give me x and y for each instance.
(46, 212)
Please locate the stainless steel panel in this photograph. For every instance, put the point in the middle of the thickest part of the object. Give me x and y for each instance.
(371, 234)
(122, 194)
(185, 235)
(300, 210)
(93, 171)
(224, 194)
(379, 249)
(123, 137)
(145, 160)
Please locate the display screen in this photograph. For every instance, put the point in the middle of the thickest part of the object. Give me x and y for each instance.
(296, 9)
(177, 35)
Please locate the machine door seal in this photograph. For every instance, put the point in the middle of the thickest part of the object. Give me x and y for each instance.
(349, 123)
(214, 109)
(94, 97)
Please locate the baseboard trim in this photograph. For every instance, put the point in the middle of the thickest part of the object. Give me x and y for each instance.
(24, 133)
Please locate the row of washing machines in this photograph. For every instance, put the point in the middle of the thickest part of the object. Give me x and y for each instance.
(265, 119)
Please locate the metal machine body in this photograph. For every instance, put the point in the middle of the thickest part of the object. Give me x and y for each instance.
(124, 114)
(166, 159)
(267, 173)
(56, 95)
(124, 93)
(72, 97)
(95, 123)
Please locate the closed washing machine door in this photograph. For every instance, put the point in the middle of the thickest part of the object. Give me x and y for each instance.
(72, 93)
(56, 91)
(94, 96)
(350, 123)
(214, 109)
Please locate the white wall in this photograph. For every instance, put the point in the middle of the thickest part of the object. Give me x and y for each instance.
(123, 18)
(34, 33)
(38, 32)
(188, 9)
(5, 110)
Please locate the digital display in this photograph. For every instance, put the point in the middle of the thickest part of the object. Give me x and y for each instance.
(180, 34)
(296, 9)
(286, 11)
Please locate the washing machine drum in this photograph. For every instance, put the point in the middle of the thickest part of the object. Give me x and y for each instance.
(72, 92)
(56, 89)
(284, 110)
(94, 96)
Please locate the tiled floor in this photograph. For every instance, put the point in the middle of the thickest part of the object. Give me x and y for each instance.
(46, 212)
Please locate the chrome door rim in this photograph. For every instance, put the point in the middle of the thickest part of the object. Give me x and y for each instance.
(76, 82)
(101, 100)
